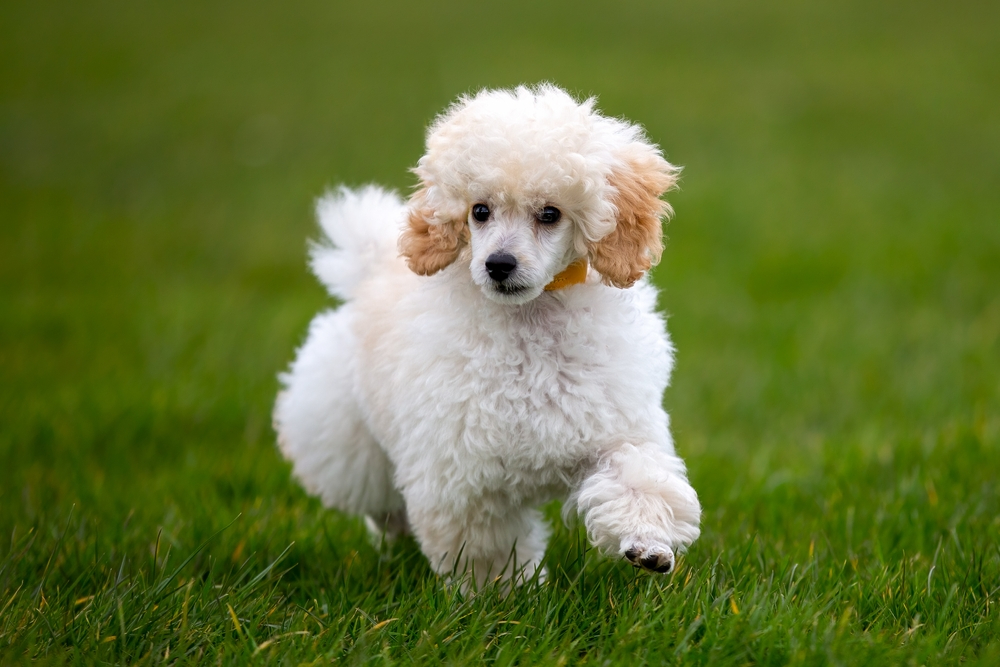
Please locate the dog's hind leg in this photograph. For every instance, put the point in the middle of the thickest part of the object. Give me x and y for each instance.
(387, 527)
(321, 429)
(637, 502)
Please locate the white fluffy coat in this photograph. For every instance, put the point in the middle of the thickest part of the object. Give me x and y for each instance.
(448, 406)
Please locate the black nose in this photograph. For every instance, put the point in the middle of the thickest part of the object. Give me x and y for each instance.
(500, 265)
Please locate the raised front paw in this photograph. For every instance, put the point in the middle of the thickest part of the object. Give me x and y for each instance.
(652, 557)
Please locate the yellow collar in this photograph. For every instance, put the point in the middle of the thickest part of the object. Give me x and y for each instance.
(574, 274)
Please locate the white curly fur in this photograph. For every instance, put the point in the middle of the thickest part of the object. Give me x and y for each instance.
(453, 406)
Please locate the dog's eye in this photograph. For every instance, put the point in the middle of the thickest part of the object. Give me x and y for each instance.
(548, 215)
(481, 212)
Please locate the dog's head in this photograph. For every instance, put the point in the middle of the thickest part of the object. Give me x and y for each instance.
(525, 182)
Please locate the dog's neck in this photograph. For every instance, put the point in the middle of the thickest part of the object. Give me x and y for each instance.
(574, 274)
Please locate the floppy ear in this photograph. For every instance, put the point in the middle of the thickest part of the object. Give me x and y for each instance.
(636, 242)
(430, 243)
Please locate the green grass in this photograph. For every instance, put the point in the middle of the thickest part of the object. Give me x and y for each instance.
(832, 279)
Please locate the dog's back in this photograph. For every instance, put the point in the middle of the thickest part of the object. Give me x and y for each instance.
(319, 422)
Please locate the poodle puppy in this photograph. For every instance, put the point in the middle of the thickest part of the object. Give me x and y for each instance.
(498, 344)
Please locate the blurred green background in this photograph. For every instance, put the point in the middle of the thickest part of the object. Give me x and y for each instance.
(831, 275)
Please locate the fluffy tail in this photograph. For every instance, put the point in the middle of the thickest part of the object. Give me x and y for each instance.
(361, 228)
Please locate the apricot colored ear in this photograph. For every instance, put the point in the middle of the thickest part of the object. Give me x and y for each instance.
(636, 243)
(429, 244)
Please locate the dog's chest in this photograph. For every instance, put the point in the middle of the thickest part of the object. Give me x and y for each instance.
(514, 401)
(539, 393)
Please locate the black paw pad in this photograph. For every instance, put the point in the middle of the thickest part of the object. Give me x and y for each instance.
(651, 562)
(632, 554)
(665, 568)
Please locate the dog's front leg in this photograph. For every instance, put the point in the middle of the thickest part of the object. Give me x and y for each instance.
(636, 502)
(479, 544)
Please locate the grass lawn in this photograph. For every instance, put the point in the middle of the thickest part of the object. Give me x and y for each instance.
(832, 280)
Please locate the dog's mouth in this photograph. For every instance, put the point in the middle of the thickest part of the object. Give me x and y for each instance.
(512, 290)
(510, 294)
